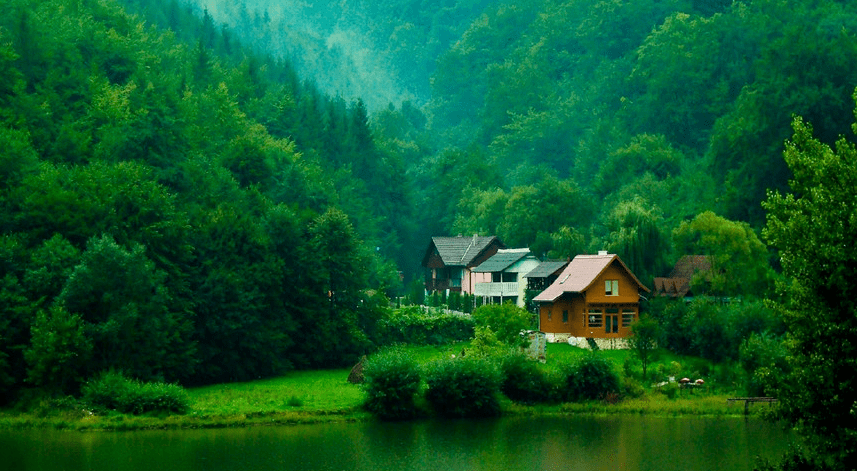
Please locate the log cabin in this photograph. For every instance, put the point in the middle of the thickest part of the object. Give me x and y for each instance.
(595, 297)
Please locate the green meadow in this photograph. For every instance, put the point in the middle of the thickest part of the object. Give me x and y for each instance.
(301, 397)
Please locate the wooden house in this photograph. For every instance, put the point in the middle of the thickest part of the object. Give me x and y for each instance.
(449, 261)
(679, 283)
(595, 297)
(544, 274)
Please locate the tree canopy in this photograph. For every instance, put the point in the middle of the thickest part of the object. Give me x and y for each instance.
(813, 227)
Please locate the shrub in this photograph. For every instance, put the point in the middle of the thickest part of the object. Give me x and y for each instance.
(485, 343)
(592, 377)
(112, 390)
(632, 388)
(764, 361)
(391, 382)
(712, 334)
(506, 320)
(670, 390)
(632, 368)
(463, 387)
(411, 325)
(523, 380)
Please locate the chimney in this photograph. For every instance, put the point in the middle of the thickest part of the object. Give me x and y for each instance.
(602, 253)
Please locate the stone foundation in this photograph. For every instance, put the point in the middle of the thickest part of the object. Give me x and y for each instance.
(603, 344)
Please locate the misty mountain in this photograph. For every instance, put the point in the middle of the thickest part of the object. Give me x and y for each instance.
(381, 52)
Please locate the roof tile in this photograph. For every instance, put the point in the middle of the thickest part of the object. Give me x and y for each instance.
(580, 274)
(460, 250)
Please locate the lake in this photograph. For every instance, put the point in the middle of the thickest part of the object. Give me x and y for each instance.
(515, 443)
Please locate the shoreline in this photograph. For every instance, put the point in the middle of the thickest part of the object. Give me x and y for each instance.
(85, 421)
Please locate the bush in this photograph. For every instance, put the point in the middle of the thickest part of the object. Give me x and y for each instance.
(112, 390)
(764, 361)
(632, 368)
(632, 388)
(592, 377)
(506, 320)
(523, 380)
(486, 344)
(391, 382)
(411, 325)
(670, 390)
(463, 387)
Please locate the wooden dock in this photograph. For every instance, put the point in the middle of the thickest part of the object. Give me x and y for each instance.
(748, 400)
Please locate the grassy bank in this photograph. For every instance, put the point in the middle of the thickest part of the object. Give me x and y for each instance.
(299, 397)
(303, 397)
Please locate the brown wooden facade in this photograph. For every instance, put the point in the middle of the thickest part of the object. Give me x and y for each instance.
(604, 308)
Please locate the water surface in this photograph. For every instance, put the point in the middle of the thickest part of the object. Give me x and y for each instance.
(554, 443)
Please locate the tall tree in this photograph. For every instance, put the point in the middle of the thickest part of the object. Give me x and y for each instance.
(333, 333)
(739, 260)
(637, 237)
(814, 228)
(126, 309)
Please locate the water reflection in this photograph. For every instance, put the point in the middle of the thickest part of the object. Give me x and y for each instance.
(567, 443)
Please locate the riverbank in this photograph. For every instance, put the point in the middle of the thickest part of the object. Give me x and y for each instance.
(83, 420)
(326, 396)
(318, 396)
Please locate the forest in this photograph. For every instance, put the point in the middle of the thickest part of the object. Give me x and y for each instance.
(212, 191)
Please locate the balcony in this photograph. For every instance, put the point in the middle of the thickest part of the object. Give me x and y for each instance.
(496, 289)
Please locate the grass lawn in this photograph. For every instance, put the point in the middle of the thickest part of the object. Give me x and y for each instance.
(298, 391)
(326, 395)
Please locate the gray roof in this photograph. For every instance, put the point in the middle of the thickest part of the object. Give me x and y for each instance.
(500, 261)
(547, 268)
(461, 250)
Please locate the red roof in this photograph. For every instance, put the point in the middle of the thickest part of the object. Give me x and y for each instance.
(677, 285)
(579, 275)
(672, 287)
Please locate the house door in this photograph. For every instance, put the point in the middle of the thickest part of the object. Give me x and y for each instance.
(611, 323)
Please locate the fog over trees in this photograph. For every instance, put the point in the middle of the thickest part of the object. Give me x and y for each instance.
(208, 191)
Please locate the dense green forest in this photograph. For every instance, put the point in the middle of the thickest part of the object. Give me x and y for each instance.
(218, 191)
(178, 208)
(200, 191)
(565, 125)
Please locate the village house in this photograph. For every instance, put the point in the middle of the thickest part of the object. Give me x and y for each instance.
(595, 297)
(449, 261)
(544, 274)
(679, 283)
(501, 278)
(540, 278)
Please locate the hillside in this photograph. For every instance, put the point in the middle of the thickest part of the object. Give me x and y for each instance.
(677, 106)
(178, 209)
(256, 210)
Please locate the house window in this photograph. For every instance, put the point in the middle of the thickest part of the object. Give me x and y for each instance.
(596, 319)
(565, 316)
(611, 321)
(550, 316)
(455, 277)
(628, 317)
(611, 287)
(496, 277)
(510, 277)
